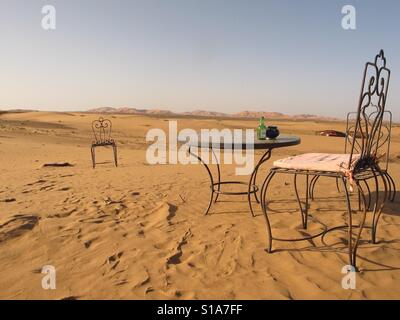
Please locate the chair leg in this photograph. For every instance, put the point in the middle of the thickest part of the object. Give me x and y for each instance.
(378, 208)
(361, 193)
(219, 177)
(369, 194)
(303, 211)
(93, 151)
(375, 209)
(115, 155)
(389, 184)
(253, 181)
(312, 186)
(392, 187)
(350, 223)
(361, 225)
(314, 181)
(307, 203)
(212, 189)
(337, 184)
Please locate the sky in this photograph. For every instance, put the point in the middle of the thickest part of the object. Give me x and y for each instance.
(290, 56)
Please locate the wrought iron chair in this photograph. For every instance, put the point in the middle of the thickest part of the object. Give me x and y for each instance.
(383, 150)
(102, 138)
(351, 168)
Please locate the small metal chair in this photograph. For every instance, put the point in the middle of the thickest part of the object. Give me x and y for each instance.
(362, 161)
(102, 138)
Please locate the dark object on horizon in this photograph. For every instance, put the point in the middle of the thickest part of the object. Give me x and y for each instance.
(102, 138)
(8, 200)
(272, 132)
(331, 133)
(57, 165)
(359, 166)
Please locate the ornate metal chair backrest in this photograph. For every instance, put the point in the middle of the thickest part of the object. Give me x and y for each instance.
(383, 150)
(102, 131)
(371, 108)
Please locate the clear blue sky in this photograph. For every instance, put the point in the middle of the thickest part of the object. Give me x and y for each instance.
(223, 55)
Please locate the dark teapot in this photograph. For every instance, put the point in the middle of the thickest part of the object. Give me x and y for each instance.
(272, 132)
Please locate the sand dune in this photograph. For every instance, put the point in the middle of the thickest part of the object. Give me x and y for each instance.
(210, 114)
(138, 231)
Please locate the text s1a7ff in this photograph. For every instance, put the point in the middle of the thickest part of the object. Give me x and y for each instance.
(205, 309)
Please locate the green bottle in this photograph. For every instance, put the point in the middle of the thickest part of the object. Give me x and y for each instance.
(262, 130)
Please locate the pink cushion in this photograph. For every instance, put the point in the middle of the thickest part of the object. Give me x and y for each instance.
(317, 161)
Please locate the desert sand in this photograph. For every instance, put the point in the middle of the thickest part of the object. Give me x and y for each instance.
(138, 231)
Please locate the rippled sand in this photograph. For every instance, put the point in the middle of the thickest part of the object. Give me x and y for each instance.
(138, 231)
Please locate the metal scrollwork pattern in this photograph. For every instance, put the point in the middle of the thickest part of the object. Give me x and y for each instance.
(102, 131)
(368, 126)
(380, 145)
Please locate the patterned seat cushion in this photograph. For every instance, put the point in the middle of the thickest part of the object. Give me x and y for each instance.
(326, 162)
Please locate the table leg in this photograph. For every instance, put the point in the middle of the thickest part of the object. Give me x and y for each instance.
(215, 187)
(211, 179)
(253, 179)
(219, 175)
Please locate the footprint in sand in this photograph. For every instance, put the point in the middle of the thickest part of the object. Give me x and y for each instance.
(66, 175)
(223, 256)
(41, 181)
(70, 298)
(114, 270)
(175, 257)
(47, 187)
(140, 278)
(63, 214)
(17, 226)
(88, 243)
(161, 216)
(114, 260)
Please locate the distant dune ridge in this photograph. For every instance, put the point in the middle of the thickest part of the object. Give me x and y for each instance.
(205, 113)
(17, 111)
(196, 113)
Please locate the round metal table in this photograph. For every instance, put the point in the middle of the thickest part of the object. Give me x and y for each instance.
(252, 188)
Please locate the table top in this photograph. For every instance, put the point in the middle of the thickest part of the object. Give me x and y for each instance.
(283, 140)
